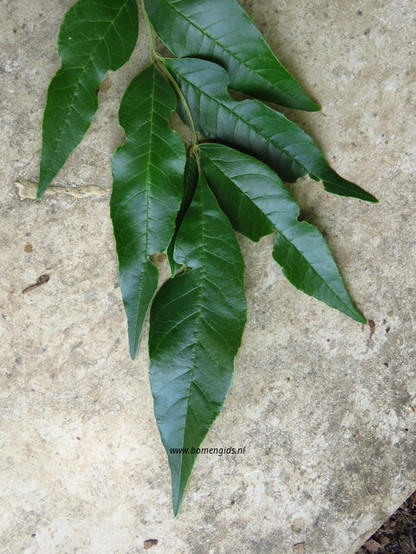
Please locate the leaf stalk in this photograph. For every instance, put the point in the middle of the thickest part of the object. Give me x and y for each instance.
(159, 61)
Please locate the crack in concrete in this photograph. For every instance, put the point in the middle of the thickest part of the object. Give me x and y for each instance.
(27, 190)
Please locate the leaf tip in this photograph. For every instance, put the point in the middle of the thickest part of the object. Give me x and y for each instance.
(367, 196)
(314, 107)
(176, 504)
(361, 319)
(45, 180)
(133, 340)
(133, 347)
(355, 314)
(177, 497)
(346, 188)
(42, 186)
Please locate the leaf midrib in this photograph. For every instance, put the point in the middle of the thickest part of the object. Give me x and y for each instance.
(147, 199)
(201, 298)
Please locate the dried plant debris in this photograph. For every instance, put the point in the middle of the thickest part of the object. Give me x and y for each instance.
(398, 534)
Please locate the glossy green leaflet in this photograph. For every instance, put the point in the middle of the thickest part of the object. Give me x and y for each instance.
(187, 200)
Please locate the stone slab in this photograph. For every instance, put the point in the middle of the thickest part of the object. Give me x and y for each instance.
(324, 407)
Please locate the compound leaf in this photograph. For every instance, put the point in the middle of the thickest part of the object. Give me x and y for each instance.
(147, 191)
(196, 323)
(95, 37)
(258, 203)
(220, 30)
(254, 127)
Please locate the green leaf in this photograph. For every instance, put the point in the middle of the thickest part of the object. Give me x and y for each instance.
(95, 37)
(220, 30)
(196, 323)
(147, 191)
(191, 181)
(258, 203)
(254, 127)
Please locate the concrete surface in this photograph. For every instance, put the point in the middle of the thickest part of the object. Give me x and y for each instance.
(325, 410)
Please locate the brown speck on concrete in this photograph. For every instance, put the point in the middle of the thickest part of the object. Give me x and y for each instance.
(372, 326)
(149, 543)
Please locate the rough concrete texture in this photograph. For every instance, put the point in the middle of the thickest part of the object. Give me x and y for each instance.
(324, 407)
